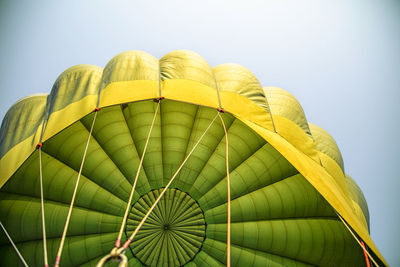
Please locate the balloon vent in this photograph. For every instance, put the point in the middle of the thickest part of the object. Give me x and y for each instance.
(172, 234)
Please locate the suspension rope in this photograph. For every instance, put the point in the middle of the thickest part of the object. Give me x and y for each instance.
(12, 243)
(118, 242)
(60, 248)
(228, 234)
(39, 148)
(365, 254)
(228, 183)
(117, 253)
(358, 241)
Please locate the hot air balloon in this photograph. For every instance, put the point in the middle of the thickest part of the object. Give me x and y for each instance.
(173, 163)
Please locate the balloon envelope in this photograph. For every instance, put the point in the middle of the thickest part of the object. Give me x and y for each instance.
(287, 177)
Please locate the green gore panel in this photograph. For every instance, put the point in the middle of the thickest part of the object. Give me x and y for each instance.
(278, 218)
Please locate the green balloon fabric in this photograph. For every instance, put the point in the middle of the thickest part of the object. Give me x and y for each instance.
(278, 218)
(174, 231)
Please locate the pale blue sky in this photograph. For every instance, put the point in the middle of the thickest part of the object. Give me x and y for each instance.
(340, 58)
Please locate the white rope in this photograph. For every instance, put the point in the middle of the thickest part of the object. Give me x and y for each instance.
(60, 248)
(118, 242)
(355, 237)
(228, 184)
(12, 243)
(46, 264)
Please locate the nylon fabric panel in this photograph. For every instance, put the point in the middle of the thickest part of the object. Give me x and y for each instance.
(68, 147)
(288, 130)
(311, 241)
(205, 150)
(325, 143)
(204, 259)
(358, 197)
(238, 79)
(138, 116)
(266, 166)
(336, 172)
(185, 64)
(174, 231)
(246, 143)
(130, 66)
(73, 85)
(25, 211)
(249, 257)
(284, 104)
(58, 184)
(177, 122)
(112, 133)
(22, 121)
(292, 197)
(77, 250)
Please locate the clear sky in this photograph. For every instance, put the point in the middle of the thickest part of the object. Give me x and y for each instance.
(340, 59)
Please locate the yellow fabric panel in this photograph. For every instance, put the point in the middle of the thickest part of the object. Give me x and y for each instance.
(187, 65)
(130, 66)
(296, 136)
(360, 214)
(61, 119)
(72, 85)
(325, 143)
(128, 91)
(190, 91)
(237, 79)
(14, 158)
(74, 94)
(22, 121)
(358, 197)
(336, 172)
(128, 71)
(284, 104)
(20, 133)
(246, 109)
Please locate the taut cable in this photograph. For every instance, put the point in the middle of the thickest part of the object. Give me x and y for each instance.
(46, 264)
(60, 248)
(228, 184)
(365, 254)
(358, 241)
(118, 242)
(14, 246)
(39, 148)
